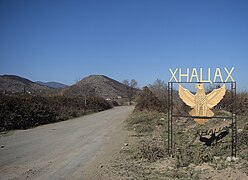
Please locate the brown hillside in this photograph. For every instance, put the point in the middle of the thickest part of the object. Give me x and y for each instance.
(12, 84)
(98, 85)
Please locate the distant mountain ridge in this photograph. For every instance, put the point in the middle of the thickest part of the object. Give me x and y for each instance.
(93, 85)
(55, 85)
(15, 84)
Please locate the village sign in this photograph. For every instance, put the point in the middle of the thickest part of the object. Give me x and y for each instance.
(200, 102)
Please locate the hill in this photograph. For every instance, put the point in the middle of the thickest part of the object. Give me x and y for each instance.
(12, 84)
(55, 85)
(98, 85)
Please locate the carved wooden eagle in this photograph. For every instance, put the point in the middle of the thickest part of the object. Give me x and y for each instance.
(200, 102)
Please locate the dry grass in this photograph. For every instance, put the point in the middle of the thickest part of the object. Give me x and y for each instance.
(147, 158)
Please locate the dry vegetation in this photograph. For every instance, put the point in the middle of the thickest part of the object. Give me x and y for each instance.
(148, 101)
(146, 157)
(25, 111)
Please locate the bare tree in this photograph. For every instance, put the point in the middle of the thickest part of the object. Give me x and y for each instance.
(130, 88)
(159, 88)
(84, 90)
(133, 83)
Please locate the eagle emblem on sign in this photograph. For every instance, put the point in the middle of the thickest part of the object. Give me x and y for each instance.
(200, 102)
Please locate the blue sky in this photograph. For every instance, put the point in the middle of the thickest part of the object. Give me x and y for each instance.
(57, 40)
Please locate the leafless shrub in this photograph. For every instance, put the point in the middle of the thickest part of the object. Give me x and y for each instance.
(131, 88)
(147, 101)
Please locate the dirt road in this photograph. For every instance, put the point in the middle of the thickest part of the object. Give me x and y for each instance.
(60, 150)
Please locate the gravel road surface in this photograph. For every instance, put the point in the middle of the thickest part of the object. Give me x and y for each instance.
(59, 150)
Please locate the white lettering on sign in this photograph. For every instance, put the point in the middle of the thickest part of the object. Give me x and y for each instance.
(208, 79)
(183, 75)
(173, 75)
(197, 76)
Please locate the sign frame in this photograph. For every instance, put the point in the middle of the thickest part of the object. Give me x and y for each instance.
(171, 115)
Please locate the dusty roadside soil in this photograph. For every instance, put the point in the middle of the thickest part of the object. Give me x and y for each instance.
(101, 167)
(80, 148)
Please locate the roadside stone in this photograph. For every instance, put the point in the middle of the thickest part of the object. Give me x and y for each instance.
(216, 157)
(228, 159)
(2, 147)
(191, 166)
(126, 144)
(240, 130)
(246, 127)
(235, 158)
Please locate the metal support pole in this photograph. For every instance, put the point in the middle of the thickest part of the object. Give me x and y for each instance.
(169, 115)
(171, 118)
(234, 121)
(170, 110)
